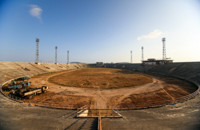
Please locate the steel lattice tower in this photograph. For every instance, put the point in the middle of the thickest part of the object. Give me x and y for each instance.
(37, 51)
(164, 49)
(131, 57)
(56, 54)
(68, 57)
(142, 53)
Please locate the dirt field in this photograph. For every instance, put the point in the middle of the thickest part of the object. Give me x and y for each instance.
(129, 89)
(100, 78)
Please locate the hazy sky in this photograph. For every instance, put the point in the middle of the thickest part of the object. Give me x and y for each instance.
(99, 30)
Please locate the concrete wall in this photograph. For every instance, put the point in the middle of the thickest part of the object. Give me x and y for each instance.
(187, 70)
(10, 70)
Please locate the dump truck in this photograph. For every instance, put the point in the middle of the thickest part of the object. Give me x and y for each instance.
(29, 92)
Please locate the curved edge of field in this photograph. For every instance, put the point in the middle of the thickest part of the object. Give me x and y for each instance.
(163, 90)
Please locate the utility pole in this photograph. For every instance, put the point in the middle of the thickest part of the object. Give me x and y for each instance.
(37, 51)
(56, 54)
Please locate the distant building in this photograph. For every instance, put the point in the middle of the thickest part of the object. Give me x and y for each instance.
(99, 64)
(153, 61)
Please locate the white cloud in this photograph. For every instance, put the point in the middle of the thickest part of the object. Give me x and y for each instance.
(156, 33)
(36, 11)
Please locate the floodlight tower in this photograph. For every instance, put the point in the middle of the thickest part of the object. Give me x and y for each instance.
(56, 54)
(68, 57)
(164, 49)
(37, 51)
(142, 53)
(131, 56)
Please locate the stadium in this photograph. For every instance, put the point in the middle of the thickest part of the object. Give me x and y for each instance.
(99, 65)
(83, 93)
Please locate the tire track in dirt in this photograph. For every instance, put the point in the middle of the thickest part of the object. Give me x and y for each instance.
(125, 95)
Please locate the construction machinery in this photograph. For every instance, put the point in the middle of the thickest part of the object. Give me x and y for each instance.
(27, 92)
(15, 85)
(21, 88)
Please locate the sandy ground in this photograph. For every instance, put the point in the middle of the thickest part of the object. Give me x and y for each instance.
(160, 91)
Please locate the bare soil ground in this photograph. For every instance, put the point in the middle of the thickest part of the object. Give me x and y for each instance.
(146, 90)
(100, 78)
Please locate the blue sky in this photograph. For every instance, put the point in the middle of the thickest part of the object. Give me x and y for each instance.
(99, 30)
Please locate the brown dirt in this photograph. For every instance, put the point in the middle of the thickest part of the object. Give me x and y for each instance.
(171, 90)
(160, 91)
(52, 99)
(100, 78)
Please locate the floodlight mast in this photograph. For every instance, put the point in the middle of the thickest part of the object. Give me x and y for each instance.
(164, 49)
(56, 54)
(142, 53)
(68, 57)
(37, 51)
(131, 56)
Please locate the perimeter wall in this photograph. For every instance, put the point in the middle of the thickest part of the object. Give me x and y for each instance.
(187, 70)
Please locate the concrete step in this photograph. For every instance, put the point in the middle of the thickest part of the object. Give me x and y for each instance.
(83, 124)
